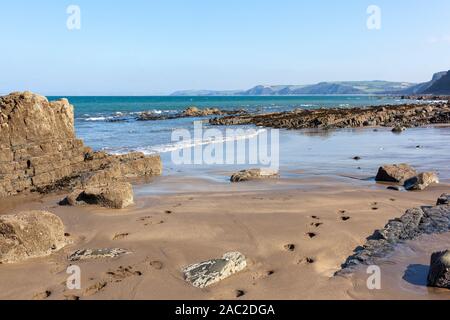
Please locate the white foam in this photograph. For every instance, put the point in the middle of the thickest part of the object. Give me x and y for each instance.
(191, 143)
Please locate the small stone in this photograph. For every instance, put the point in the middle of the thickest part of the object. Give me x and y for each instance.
(439, 275)
(396, 188)
(204, 274)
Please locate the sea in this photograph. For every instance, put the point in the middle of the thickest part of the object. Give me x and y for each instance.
(110, 124)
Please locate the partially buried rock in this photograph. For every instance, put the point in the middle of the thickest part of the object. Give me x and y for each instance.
(439, 275)
(116, 195)
(30, 234)
(398, 129)
(204, 274)
(444, 200)
(89, 254)
(421, 181)
(254, 174)
(397, 173)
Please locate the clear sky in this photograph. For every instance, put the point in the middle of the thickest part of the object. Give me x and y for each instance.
(158, 46)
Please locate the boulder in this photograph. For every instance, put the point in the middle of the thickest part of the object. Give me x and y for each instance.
(30, 234)
(204, 274)
(421, 181)
(253, 174)
(397, 173)
(444, 200)
(90, 254)
(40, 152)
(439, 274)
(115, 195)
(398, 129)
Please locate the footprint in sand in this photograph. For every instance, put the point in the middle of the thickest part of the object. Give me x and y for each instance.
(157, 265)
(311, 235)
(307, 260)
(168, 212)
(122, 273)
(289, 247)
(315, 217)
(42, 295)
(345, 218)
(316, 224)
(240, 293)
(94, 289)
(120, 236)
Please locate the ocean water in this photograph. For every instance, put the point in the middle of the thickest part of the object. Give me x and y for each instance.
(109, 124)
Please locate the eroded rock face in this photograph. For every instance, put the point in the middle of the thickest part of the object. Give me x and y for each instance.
(40, 152)
(421, 181)
(254, 174)
(115, 195)
(89, 254)
(397, 173)
(31, 234)
(439, 275)
(204, 274)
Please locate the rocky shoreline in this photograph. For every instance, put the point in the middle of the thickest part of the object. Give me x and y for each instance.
(191, 112)
(415, 222)
(407, 115)
(40, 152)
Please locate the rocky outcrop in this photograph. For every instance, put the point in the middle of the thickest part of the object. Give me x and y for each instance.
(92, 254)
(191, 112)
(415, 222)
(439, 274)
(421, 181)
(332, 118)
(115, 195)
(204, 274)
(254, 174)
(397, 173)
(40, 152)
(30, 234)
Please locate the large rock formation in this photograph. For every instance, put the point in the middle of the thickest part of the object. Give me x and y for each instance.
(331, 118)
(421, 181)
(40, 152)
(30, 235)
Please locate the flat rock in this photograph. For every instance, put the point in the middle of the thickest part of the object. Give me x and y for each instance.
(397, 173)
(90, 254)
(204, 274)
(30, 234)
(443, 200)
(421, 181)
(439, 274)
(115, 195)
(254, 174)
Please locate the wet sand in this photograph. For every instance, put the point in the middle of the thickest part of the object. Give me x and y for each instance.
(325, 217)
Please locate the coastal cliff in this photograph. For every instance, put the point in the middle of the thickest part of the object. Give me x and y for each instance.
(39, 151)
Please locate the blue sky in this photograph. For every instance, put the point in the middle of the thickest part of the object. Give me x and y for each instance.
(158, 46)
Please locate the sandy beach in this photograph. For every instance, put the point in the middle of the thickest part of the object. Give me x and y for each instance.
(324, 218)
